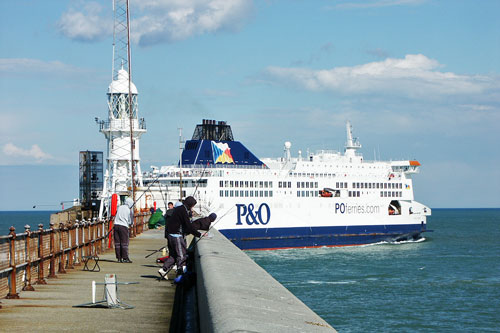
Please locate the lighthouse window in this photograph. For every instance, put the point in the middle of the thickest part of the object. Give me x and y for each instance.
(377, 185)
(227, 193)
(381, 194)
(231, 183)
(246, 183)
(266, 193)
(221, 193)
(270, 193)
(350, 193)
(251, 184)
(251, 193)
(236, 193)
(221, 183)
(261, 184)
(289, 184)
(266, 184)
(236, 184)
(307, 184)
(298, 193)
(279, 184)
(270, 184)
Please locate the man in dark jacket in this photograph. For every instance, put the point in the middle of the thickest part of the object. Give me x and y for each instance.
(178, 224)
(204, 222)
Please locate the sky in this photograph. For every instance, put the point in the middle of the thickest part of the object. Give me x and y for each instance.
(418, 79)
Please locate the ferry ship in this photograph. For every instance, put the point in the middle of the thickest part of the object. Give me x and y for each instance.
(326, 198)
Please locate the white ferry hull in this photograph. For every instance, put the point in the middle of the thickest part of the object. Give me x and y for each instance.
(315, 222)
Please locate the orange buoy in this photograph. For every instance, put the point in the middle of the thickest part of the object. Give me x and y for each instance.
(114, 204)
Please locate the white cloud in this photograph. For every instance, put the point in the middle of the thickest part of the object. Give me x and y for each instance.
(34, 153)
(166, 21)
(86, 25)
(413, 76)
(36, 66)
(158, 21)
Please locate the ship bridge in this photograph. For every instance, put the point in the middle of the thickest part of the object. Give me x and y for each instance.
(407, 167)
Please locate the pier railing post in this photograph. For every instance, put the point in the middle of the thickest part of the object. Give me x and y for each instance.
(41, 262)
(71, 245)
(52, 271)
(78, 243)
(60, 249)
(13, 274)
(27, 282)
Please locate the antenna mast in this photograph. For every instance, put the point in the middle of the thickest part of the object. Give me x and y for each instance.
(130, 105)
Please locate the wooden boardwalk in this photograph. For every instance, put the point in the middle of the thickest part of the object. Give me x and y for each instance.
(49, 307)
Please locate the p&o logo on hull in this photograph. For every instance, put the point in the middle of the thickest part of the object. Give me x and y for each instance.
(252, 216)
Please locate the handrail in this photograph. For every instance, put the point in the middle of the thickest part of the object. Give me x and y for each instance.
(30, 257)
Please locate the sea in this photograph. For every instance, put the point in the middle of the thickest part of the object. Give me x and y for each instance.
(18, 219)
(449, 282)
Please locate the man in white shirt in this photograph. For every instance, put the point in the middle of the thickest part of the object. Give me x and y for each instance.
(123, 221)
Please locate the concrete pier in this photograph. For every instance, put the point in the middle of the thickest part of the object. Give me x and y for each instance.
(237, 295)
(49, 307)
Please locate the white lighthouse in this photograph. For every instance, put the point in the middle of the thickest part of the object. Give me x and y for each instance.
(121, 143)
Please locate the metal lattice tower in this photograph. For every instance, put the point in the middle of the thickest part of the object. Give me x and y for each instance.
(120, 37)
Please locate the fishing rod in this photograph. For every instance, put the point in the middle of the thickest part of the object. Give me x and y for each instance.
(154, 251)
(199, 179)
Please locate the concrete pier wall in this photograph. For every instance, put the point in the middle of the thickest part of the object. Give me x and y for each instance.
(235, 294)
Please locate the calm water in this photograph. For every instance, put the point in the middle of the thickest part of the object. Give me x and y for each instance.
(19, 219)
(448, 283)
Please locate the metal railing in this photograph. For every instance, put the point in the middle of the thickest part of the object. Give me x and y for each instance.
(29, 258)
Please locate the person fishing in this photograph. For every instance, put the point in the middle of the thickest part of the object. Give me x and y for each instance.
(179, 224)
(123, 221)
(204, 222)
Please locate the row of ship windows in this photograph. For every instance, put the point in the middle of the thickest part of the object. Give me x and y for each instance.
(269, 184)
(265, 194)
(246, 183)
(246, 193)
(371, 185)
(383, 194)
(307, 184)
